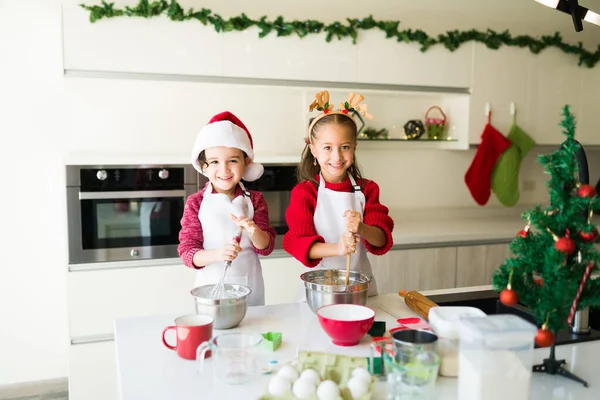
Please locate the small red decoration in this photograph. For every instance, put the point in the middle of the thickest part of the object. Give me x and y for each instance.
(539, 282)
(345, 111)
(544, 337)
(523, 233)
(509, 297)
(589, 237)
(586, 191)
(325, 111)
(565, 245)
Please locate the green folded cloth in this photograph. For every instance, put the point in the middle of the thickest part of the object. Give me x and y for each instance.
(505, 176)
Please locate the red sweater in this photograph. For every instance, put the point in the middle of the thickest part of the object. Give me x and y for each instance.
(300, 213)
(191, 236)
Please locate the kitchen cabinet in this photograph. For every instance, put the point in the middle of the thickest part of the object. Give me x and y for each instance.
(282, 279)
(96, 298)
(419, 269)
(475, 265)
(93, 371)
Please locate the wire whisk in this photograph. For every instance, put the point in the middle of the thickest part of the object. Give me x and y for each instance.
(218, 290)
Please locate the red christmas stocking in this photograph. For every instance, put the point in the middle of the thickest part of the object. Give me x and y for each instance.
(478, 176)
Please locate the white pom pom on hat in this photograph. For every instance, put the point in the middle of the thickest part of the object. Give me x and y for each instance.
(225, 129)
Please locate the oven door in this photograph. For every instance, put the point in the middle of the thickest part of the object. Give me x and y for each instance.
(121, 226)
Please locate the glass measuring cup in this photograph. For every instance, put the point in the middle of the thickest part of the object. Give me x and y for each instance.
(235, 356)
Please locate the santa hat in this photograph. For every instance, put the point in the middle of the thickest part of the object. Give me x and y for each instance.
(225, 129)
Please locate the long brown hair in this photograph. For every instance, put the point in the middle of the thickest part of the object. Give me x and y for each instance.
(306, 169)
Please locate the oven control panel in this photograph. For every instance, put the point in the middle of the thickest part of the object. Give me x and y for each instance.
(127, 179)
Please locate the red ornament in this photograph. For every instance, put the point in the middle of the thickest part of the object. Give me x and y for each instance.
(523, 233)
(565, 245)
(326, 110)
(586, 191)
(509, 297)
(539, 282)
(544, 337)
(345, 111)
(589, 237)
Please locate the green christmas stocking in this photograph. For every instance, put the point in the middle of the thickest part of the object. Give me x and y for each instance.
(505, 176)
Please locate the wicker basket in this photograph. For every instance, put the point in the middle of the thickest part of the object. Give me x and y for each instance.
(436, 127)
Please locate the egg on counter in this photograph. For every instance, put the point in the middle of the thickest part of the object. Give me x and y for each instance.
(279, 385)
(358, 387)
(304, 388)
(328, 390)
(362, 373)
(312, 375)
(289, 372)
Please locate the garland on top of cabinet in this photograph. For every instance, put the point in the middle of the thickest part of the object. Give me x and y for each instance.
(451, 40)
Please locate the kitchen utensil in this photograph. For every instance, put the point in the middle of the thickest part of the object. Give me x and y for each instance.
(237, 356)
(327, 286)
(346, 324)
(418, 303)
(217, 290)
(347, 269)
(413, 377)
(191, 330)
(411, 340)
(227, 312)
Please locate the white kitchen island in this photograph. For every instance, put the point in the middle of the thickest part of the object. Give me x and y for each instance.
(149, 371)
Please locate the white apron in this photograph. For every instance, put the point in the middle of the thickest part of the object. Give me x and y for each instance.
(218, 229)
(331, 225)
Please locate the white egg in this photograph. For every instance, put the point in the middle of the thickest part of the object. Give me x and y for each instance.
(289, 372)
(362, 373)
(312, 375)
(304, 388)
(328, 390)
(358, 387)
(279, 385)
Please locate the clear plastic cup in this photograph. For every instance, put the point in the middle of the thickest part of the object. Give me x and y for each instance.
(411, 376)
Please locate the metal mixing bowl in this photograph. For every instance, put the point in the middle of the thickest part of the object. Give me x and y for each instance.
(328, 286)
(226, 312)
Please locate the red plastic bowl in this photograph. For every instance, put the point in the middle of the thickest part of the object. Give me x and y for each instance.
(346, 324)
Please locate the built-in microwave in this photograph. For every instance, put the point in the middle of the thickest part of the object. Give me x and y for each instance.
(120, 213)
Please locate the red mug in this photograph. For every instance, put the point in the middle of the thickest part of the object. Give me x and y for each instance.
(191, 330)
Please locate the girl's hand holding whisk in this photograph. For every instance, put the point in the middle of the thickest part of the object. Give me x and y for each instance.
(230, 251)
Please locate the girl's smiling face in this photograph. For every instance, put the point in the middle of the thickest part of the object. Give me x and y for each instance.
(224, 167)
(333, 146)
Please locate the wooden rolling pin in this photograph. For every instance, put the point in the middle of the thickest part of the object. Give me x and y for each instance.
(418, 303)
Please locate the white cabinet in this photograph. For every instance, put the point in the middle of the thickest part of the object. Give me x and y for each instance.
(475, 265)
(93, 371)
(499, 78)
(282, 279)
(96, 298)
(383, 60)
(419, 269)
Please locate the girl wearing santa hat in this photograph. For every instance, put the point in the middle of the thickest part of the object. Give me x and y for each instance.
(333, 211)
(224, 153)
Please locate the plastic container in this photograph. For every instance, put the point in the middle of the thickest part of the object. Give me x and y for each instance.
(445, 322)
(495, 358)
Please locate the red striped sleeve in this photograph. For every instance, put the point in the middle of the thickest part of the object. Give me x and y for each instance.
(191, 238)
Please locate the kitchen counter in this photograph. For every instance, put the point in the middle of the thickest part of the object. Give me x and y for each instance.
(148, 370)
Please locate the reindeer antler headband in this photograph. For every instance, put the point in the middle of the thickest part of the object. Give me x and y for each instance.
(321, 103)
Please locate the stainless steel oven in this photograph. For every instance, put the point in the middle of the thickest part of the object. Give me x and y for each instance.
(120, 213)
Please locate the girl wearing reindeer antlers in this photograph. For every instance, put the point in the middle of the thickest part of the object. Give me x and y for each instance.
(334, 211)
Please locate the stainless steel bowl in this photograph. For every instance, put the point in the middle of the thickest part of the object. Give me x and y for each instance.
(226, 312)
(328, 286)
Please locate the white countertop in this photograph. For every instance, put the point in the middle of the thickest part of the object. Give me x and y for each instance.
(148, 370)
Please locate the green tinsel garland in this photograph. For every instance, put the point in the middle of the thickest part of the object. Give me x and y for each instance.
(451, 40)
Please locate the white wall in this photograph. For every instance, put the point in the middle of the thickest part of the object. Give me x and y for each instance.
(46, 116)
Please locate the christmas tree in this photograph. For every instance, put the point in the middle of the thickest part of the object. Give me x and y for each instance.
(554, 255)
